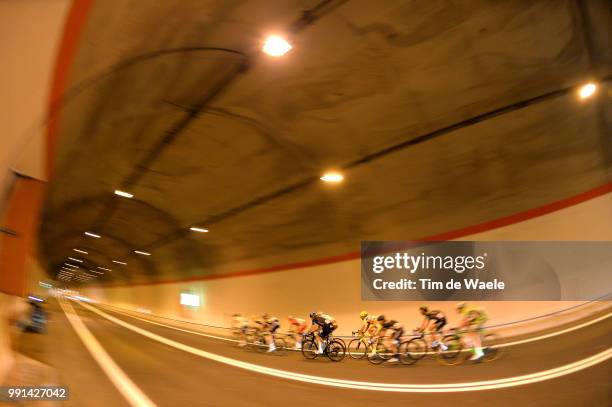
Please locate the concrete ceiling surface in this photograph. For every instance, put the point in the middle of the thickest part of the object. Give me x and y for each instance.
(441, 114)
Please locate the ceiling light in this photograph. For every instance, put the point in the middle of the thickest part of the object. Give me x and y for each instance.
(103, 268)
(119, 262)
(80, 251)
(332, 177)
(201, 230)
(276, 46)
(72, 258)
(92, 235)
(587, 90)
(143, 253)
(97, 272)
(123, 194)
(71, 265)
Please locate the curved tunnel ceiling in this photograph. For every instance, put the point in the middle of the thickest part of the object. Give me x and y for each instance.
(441, 115)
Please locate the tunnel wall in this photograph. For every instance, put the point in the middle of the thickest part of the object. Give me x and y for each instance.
(31, 30)
(335, 287)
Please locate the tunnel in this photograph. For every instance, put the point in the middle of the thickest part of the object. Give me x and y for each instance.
(328, 202)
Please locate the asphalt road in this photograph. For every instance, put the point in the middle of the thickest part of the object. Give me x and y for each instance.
(173, 377)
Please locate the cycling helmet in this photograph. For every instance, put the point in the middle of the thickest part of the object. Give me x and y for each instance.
(423, 308)
(381, 318)
(460, 306)
(313, 314)
(363, 314)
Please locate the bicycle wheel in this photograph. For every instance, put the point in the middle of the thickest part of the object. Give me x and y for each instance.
(289, 341)
(336, 350)
(260, 344)
(251, 340)
(453, 353)
(309, 349)
(491, 346)
(280, 345)
(357, 349)
(379, 355)
(411, 351)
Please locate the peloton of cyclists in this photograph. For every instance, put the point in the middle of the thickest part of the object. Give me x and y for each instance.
(374, 326)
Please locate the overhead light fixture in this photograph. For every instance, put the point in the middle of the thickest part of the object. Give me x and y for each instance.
(119, 262)
(332, 177)
(123, 194)
(143, 253)
(201, 230)
(276, 46)
(71, 265)
(104, 268)
(73, 259)
(586, 91)
(92, 235)
(80, 251)
(97, 272)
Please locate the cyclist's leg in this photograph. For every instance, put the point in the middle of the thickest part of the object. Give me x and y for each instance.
(242, 336)
(315, 330)
(439, 330)
(475, 338)
(432, 329)
(273, 330)
(298, 336)
(395, 341)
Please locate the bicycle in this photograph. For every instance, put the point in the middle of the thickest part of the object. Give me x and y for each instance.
(291, 339)
(492, 346)
(359, 347)
(456, 352)
(256, 340)
(239, 336)
(375, 351)
(415, 349)
(334, 349)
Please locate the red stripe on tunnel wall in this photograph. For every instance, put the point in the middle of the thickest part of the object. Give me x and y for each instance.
(75, 22)
(21, 215)
(454, 234)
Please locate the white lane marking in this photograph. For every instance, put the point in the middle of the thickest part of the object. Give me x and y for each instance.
(122, 382)
(513, 343)
(563, 331)
(175, 328)
(359, 385)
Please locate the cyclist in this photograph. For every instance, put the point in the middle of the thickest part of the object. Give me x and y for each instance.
(368, 325)
(392, 331)
(240, 325)
(433, 322)
(297, 327)
(473, 320)
(322, 326)
(270, 325)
